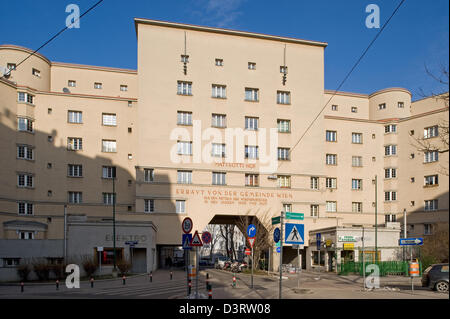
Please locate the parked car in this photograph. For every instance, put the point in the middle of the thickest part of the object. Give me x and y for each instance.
(220, 262)
(436, 277)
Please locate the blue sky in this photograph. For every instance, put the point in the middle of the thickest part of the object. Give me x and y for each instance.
(417, 35)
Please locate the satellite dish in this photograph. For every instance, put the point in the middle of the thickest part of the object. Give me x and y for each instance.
(5, 72)
(66, 90)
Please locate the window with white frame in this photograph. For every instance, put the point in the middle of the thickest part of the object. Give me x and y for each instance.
(283, 153)
(390, 218)
(149, 175)
(251, 180)
(283, 97)
(25, 208)
(357, 161)
(75, 197)
(251, 66)
(74, 143)
(109, 146)
(149, 205)
(390, 150)
(357, 138)
(108, 198)
(25, 180)
(430, 132)
(123, 88)
(184, 148)
(109, 119)
(180, 206)
(431, 180)
(356, 184)
(287, 207)
(331, 182)
(331, 207)
(390, 196)
(382, 106)
(184, 118)
(251, 94)
(357, 207)
(390, 172)
(251, 123)
(284, 181)
(284, 126)
(23, 234)
(219, 62)
(218, 120)
(314, 209)
(331, 136)
(431, 156)
(219, 178)
(334, 107)
(184, 88)
(251, 151)
(185, 58)
(25, 152)
(400, 105)
(25, 124)
(219, 91)
(74, 170)
(71, 83)
(25, 97)
(431, 204)
(283, 69)
(98, 85)
(391, 128)
(75, 117)
(184, 177)
(314, 182)
(108, 172)
(218, 150)
(331, 159)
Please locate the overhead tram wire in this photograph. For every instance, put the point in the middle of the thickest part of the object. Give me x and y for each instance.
(57, 34)
(347, 76)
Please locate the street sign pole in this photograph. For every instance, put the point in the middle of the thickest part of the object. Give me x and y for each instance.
(281, 251)
(197, 272)
(253, 260)
(364, 261)
(298, 270)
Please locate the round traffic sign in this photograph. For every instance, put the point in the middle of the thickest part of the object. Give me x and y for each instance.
(276, 235)
(187, 225)
(206, 237)
(278, 249)
(251, 230)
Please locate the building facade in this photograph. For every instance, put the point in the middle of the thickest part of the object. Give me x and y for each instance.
(209, 126)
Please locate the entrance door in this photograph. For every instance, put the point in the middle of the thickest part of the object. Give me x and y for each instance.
(139, 260)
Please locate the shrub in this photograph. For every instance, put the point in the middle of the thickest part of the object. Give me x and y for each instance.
(90, 266)
(59, 270)
(42, 270)
(124, 266)
(23, 271)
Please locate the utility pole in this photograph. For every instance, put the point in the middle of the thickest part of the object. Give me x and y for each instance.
(281, 252)
(363, 260)
(405, 227)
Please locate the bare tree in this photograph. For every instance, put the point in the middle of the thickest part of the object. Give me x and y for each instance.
(436, 245)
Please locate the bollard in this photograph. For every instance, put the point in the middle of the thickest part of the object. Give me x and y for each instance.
(190, 286)
(123, 279)
(209, 292)
(57, 284)
(150, 277)
(234, 280)
(92, 282)
(207, 280)
(21, 287)
(171, 274)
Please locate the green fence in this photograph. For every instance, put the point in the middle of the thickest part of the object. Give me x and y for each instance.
(385, 268)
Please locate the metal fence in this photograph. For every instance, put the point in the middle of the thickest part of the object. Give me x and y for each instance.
(399, 268)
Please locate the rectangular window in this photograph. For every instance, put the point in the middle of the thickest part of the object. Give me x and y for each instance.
(124, 88)
(36, 72)
(218, 178)
(108, 172)
(431, 180)
(427, 229)
(390, 218)
(251, 66)
(287, 207)
(109, 119)
(11, 66)
(356, 184)
(218, 150)
(284, 181)
(108, 198)
(98, 85)
(390, 150)
(390, 173)
(149, 205)
(356, 207)
(390, 196)
(149, 175)
(74, 170)
(11, 262)
(181, 206)
(251, 94)
(314, 209)
(184, 118)
(334, 107)
(25, 208)
(331, 182)
(354, 109)
(430, 132)
(283, 97)
(357, 161)
(184, 148)
(251, 151)
(25, 97)
(251, 123)
(219, 91)
(185, 58)
(75, 117)
(431, 205)
(71, 83)
(382, 106)
(26, 234)
(391, 128)
(184, 88)
(25, 152)
(331, 136)
(283, 154)
(219, 62)
(219, 120)
(357, 138)
(184, 177)
(284, 126)
(75, 197)
(25, 180)
(401, 105)
(251, 180)
(74, 143)
(431, 156)
(331, 207)
(283, 69)
(314, 183)
(25, 125)
(331, 159)
(109, 146)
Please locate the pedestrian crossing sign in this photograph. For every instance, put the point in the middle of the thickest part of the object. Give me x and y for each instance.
(295, 234)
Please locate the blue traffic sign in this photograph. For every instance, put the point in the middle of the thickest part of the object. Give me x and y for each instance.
(295, 234)
(278, 249)
(251, 230)
(318, 236)
(410, 241)
(186, 240)
(276, 235)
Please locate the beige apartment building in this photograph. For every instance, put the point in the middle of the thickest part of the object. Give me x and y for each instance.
(207, 127)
